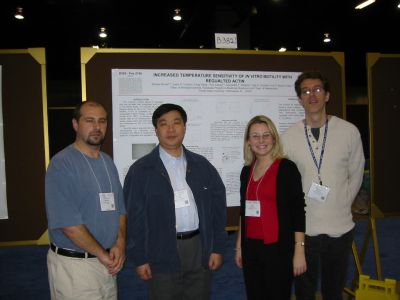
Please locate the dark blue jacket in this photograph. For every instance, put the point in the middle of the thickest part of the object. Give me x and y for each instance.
(151, 231)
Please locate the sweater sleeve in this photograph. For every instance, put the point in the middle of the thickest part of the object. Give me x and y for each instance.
(297, 202)
(356, 164)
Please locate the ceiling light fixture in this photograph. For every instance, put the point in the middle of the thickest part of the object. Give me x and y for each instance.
(398, 5)
(103, 32)
(298, 48)
(327, 38)
(177, 16)
(253, 11)
(364, 4)
(282, 49)
(18, 14)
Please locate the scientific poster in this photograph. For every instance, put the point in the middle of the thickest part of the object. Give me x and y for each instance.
(218, 103)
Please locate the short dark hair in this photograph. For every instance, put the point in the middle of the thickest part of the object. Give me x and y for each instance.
(77, 111)
(166, 108)
(311, 75)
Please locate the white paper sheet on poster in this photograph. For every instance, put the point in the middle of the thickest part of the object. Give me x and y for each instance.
(218, 103)
(3, 187)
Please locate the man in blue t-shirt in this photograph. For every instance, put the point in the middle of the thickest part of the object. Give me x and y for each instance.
(86, 213)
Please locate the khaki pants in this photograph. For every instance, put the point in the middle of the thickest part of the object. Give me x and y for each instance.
(79, 278)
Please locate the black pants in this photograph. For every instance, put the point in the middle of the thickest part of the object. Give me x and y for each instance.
(267, 270)
(327, 256)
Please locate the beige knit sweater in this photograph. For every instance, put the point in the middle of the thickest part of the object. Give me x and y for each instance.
(342, 171)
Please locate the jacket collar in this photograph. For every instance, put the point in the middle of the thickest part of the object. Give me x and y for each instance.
(155, 153)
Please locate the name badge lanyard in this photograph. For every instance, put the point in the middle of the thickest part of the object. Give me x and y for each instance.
(258, 185)
(94, 175)
(318, 165)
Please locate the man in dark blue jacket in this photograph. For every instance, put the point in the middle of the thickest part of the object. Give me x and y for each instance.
(176, 207)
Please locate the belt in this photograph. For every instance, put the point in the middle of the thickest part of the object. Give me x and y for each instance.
(187, 235)
(70, 253)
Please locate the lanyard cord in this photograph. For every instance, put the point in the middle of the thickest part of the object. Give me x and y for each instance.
(318, 165)
(258, 184)
(94, 175)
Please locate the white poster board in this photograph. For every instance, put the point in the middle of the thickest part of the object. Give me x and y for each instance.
(218, 103)
(3, 190)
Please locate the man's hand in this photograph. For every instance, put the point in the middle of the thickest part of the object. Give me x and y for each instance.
(117, 255)
(215, 261)
(144, 272)
(81, 237)
(104, 258)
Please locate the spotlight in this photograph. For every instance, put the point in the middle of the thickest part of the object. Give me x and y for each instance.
(18, 14)
(177, 16)
(103, 33)
(327, 38)
(282, 49)
(364, 4)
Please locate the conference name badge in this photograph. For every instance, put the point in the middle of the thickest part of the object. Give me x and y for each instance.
(318, 192)
(107, 202)
(253, 208)
(181, 199)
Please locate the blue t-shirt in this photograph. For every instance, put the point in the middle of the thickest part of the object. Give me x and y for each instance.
(73, 184)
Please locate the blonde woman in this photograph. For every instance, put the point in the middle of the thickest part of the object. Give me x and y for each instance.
(270, 242)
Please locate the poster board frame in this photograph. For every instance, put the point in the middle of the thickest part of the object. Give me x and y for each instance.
(26, 144)
(96, 66)
(384, 104)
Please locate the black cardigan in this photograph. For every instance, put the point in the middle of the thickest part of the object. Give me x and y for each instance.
(290, 203)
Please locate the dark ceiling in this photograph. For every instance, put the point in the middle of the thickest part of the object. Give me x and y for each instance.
(63, 26)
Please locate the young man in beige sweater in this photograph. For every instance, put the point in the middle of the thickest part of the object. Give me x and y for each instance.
(329, 155)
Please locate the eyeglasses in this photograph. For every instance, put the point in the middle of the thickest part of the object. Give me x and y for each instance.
(315, 90)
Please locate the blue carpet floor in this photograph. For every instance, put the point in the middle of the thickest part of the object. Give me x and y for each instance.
(23, 272)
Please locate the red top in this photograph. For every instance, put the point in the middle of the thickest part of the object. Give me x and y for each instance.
(266, 226)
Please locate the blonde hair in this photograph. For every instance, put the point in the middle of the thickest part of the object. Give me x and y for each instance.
(277, 151)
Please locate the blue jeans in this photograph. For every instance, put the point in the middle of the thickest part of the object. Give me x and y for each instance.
(328, 256)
